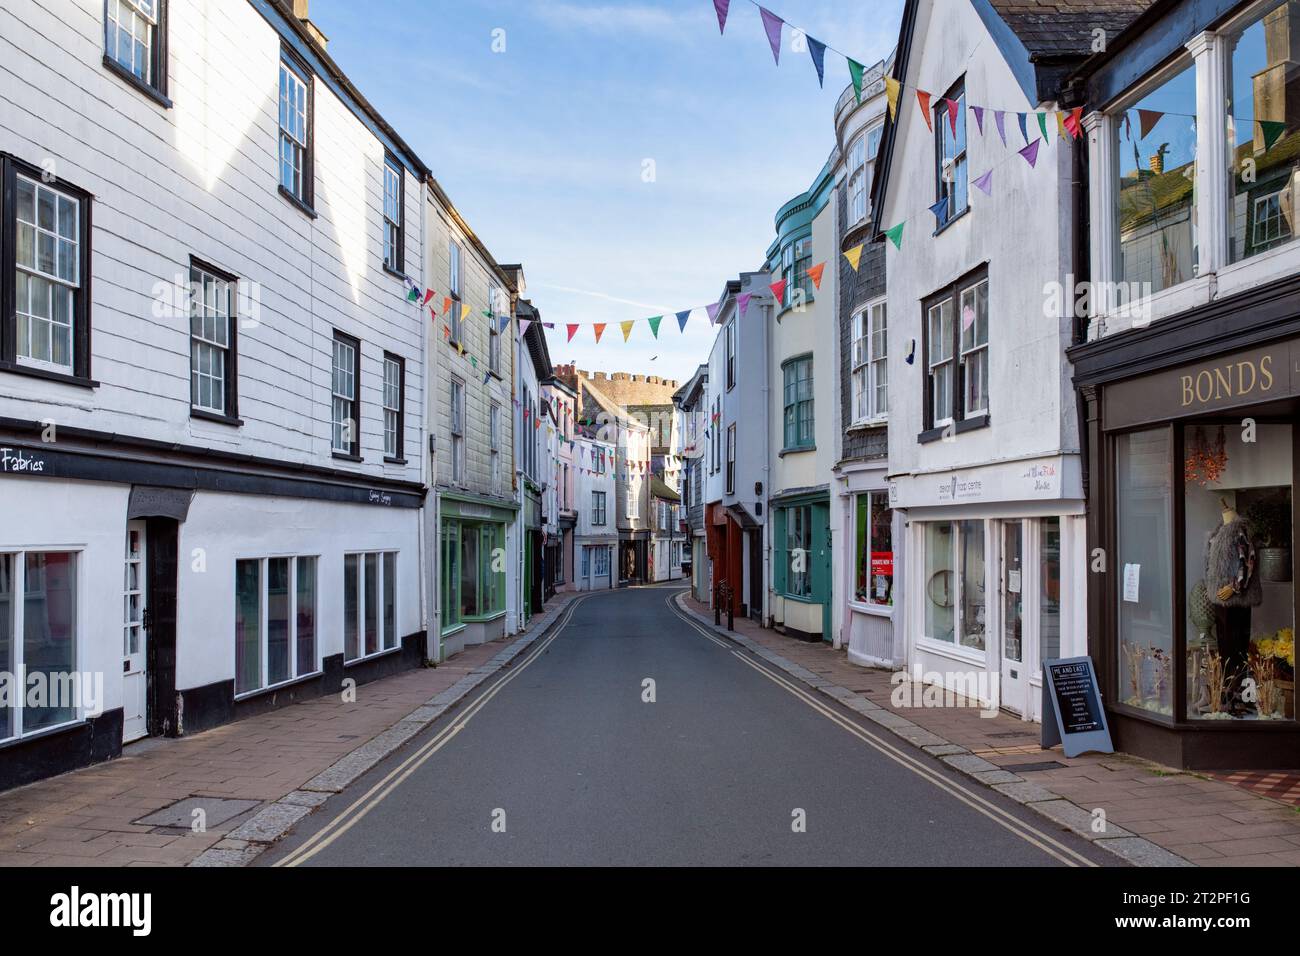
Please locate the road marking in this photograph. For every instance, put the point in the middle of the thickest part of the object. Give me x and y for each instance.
(671, 601)
(1027, 832)
(377, 793)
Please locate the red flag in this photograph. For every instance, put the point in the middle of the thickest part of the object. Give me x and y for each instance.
(953, 107)
(815, 273)
(1074, 122)
(778, 290)
(1147, 119)
(572, 331)
(446, 332)
(427, 296)
(446, 303)
(923, 101)
(600, 329)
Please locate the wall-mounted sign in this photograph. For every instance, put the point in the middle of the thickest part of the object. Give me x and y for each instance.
(16, 461)
(1036, 479)
(1072, 712)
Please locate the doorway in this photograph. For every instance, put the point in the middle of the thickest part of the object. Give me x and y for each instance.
(162, 541)
(1014, 676)
(135, 636)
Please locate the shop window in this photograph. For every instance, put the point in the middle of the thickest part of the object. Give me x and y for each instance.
(1049, 585)
(275, 621)
(38, 639)
(794, 542)
(450, 575)
(955, 609)
(874, 567)
(1263, 79)
(1144, 571)
(369, 603)
(1156, 195)
(1240, 608)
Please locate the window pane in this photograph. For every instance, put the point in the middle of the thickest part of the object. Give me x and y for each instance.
(940, 583)
(372, 603)
(973, 608)
(1144, 569)
(49, 636)
(7, 655)
(1049, 594)
(351, 606)
(277, 620)
(248, 626)
(1156, 185)
(306, 616)
(882, 549)
(469, 568)
(390, 600)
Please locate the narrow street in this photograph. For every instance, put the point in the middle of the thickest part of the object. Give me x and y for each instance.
(575, 768)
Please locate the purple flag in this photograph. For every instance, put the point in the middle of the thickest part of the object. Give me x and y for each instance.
(772, 24)
(713, 313)
(721, 7)
(1001, 118)
(681, 319)
(979, 118)
(742, 302)
(985, 183)
(523, 326)
(1030, 152)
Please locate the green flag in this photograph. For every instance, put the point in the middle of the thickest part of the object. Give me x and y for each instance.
(895, 235)
(855, 70)
(1272, 132)
(654, 324)
(1042, 125)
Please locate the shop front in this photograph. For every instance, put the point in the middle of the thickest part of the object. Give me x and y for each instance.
(801, 566)
(472, 571)
(995, 564)
(868, 584)
(1193, 466)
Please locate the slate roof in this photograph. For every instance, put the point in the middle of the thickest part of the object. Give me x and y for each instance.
(1064, 28)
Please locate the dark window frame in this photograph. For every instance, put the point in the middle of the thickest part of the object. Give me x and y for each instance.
(940, 117)
(959, 423)
(354, 450)
(598, 514)
(399, 457)
(157, 90)
(732, 451)
(10, 167)
(393, 163)
(729, 352)
(231, 415)
(307, 202)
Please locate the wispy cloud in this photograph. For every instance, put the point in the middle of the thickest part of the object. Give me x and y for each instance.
(613, 19)
(598, 295)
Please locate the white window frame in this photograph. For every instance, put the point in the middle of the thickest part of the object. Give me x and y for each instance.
(455, 277)
(394, 216)
(977, 354)
(66, 250)
(392, 406)
(18, 601)
(943, 362)
(295, 130)
(264, 621)
(381, 578)
(457, 431)
(494, 442)
(1278, 219)
(869, 363)
(203, 309)
(343, 407)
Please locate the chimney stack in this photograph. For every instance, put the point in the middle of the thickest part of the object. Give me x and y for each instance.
(300, 11)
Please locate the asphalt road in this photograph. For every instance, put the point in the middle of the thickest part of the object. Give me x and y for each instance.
(560, 761)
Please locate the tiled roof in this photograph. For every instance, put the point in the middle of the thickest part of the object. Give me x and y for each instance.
(1066, 27)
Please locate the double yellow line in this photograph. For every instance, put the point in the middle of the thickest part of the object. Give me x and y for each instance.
(357, 811)
(1030, 834)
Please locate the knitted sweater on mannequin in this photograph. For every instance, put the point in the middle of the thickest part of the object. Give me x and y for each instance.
(1230, 561)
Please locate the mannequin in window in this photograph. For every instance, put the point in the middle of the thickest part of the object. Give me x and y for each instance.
(1232, 583)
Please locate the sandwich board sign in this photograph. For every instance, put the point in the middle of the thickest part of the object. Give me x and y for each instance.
(1072, 712)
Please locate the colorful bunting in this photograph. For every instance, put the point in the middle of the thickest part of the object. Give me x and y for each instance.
(1060, 125)
(892, 88)
(681, 320)
(599, 329)
(464, 312)
(940, 210)
(817, 50)
(742, 302)
(1024, 129)
(895, 235)
(1042, 126)
(1147, 120)
(772, 26)
(923, 101)
(953, 109)
(856, 70)
(854, 256)
(1000, 117)
(713, 312)
(985, 183)
(654, 324)
(979, 117)
(627, 328)
(446, 304)
(427, 296)
(1272, 131)
(1030, 153)
(523, 326)
(778, 290)
(1074, 122)
(413, 295)
(720, 7)
(815, 273)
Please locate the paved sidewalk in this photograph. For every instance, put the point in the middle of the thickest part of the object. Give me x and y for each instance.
(284, 764)
(1155, 815)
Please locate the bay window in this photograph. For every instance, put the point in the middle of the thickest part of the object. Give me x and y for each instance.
(275, 621)
(796, 259)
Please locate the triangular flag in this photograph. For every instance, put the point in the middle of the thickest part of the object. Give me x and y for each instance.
(473, 361)
(1074, 122)
(953, 108)
(892, 89)
(427, 296)
(923, 101)
(599, 327)
(446, 304)
(721, 7)
(742, 302)
(1024, 129)
(627, 328)
(985, 183)
(464, 312)
(895, 235)
(856, 70)
(854, 256)
(815, 273)
(446, 332)
(486, 376)
(1272, 132)
(979, 117)
(1060, 124)
(523, 326)
(413, 295)
(940, 210)
(460, 347)
(713, 312)
(1000, 117)
(778, 290)
(817, 50)
(654, 324)
(681, 320)
(1030, 152)
(1042, 126)
(1147, 120)
(505, 323)
(772, 25)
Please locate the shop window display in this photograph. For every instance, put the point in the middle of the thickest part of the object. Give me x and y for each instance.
(955, 545)
(1240, 605)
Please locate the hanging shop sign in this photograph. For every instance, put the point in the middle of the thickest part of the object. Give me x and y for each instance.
(1072, 712)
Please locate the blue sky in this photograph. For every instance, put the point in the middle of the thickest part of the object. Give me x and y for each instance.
(542, 146)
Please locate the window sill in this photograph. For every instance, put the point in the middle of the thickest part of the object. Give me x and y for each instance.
(958, 428)
(202, 414)
(249, 695)
(341, 456)
(957, 218)
(43, 732)
(800, 598)
(796, 450)
(482, 618)
(394, 461)
(867, 424)
(876, 610)
(394, 273)
(140, 86)
(297, 203)
(371, 657)
(958, 652)
(17, 368)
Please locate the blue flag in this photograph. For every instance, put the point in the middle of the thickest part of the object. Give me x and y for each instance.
(817, 50)
(940, 210)
(1024, 130)
(681, 319)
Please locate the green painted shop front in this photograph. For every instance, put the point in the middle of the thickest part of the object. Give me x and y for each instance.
(472, 569)
(801, 565)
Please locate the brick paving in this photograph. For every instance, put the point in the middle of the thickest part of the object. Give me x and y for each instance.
(85, 818)
(1203, 819)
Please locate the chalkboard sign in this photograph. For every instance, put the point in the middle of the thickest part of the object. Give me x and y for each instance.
(1072, 712)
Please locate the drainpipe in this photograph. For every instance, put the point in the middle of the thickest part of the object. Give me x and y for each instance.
(1081, 269)
(765, 613)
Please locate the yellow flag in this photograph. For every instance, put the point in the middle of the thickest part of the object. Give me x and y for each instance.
(464, 312)
(854, 256)
(1060, 124)
(627, 328)
(461, 347)
(892, 89)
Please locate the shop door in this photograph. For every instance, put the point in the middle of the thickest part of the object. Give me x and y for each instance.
(1014, 680)
(135, 682)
